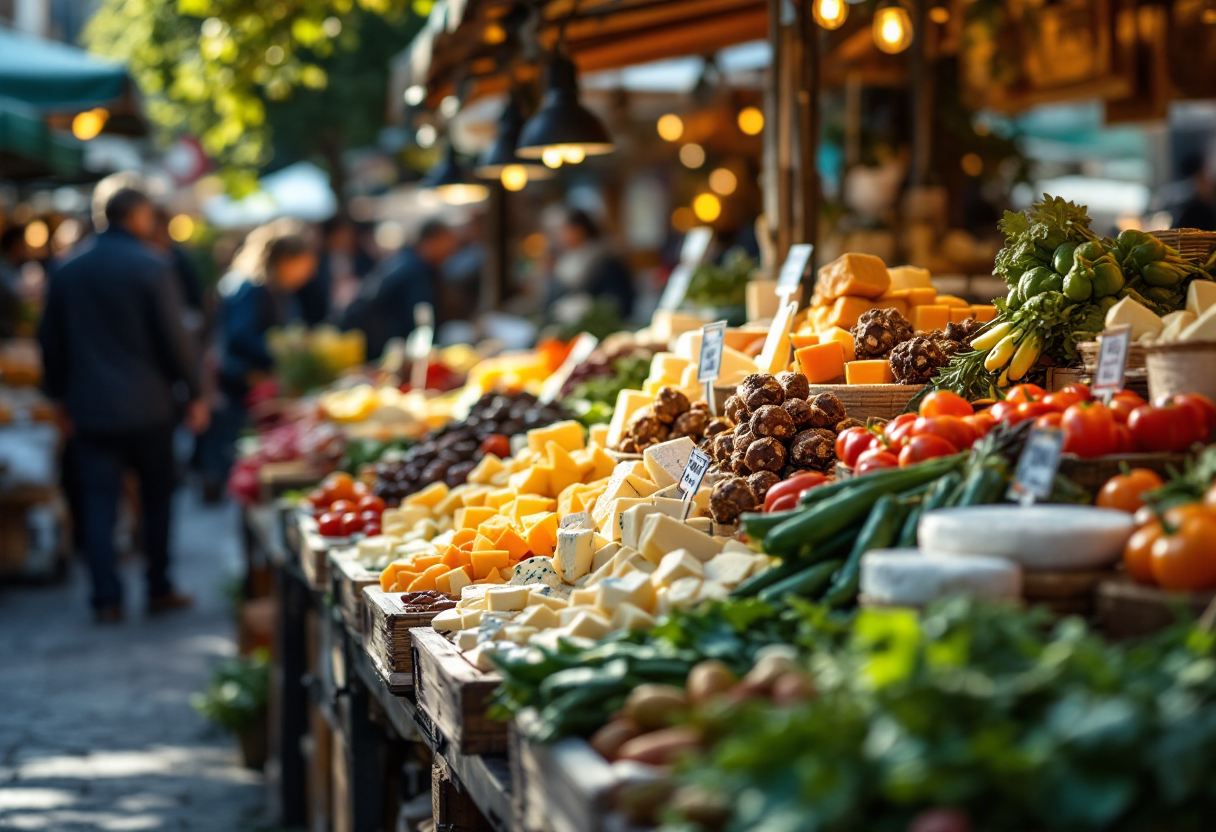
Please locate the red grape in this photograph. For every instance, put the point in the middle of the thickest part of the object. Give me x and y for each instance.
(372, 503)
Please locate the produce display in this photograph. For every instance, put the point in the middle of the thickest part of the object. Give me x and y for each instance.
(305, 359)
(593, 386)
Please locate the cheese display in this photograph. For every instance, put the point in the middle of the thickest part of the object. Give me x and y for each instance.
(910, 577)
(1040, 537)
(852, 275)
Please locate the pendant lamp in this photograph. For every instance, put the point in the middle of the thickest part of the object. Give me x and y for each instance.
(501, 161)
(453, 182)
(562, 125)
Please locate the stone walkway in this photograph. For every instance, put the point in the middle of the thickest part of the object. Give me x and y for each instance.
(96, 727)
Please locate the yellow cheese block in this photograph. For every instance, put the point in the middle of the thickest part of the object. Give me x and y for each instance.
(950, 300)
(846, 310)
(930, 317)
(920, 296)
(667, 366)
(628, 402)
(777, 348)
(568, 434)
(899, 304)
(433, 493)
(740, 338)
(820, 318)
(596, 435)
(984, 313)
(844, 337)
(958, 314)
(853, 275)
(821, 363)
(876, 371)
(909, 277)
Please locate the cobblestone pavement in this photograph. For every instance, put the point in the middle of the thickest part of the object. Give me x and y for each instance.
(96, 728)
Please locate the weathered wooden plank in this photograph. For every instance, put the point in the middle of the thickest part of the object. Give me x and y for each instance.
(454, 694)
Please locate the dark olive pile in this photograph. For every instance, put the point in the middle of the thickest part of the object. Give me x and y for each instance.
(451, 452)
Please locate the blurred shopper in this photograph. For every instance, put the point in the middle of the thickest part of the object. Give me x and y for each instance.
(586, 265)
(13, 254)
(1194, 198)
(189, 281)
(257, 295)
(385, 307)
(341, 266)
(113, 351)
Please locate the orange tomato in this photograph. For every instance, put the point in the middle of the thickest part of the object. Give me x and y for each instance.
(1185, 561)
(1126, 491)
(981, 422)
(945, 403)
(1049, 421)
(951, 428)
(1023, 393)
(338, 486)
(1062, 400)
(1138, 554)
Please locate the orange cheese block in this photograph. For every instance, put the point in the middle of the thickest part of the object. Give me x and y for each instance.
(464, 536)
(875, 371)
(483, 562)
(929, 317)
(844, 337)
(426, 581)
(853, 275)
(510, 540)
(984, 313)
(542, 537)
(960, 314)
(803, 339)
(470, 517)
(920, 296)
(896, 294)
(404, 579)
(846, 311)
(950, 300)
(821, 363)
(740, 338)
(819, 318)
(454, 557)
(426, 561)
(484, 543)
(389, 576)
(900, 305)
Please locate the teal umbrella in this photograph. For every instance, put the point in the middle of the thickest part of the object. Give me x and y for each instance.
(56, 77)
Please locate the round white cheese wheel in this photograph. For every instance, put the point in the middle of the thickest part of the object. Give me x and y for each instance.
(1041, 538)
(907, 577)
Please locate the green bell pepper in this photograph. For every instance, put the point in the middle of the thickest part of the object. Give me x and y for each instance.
(1147, 252)
(1038, 280)
(1161, 274)
(1091, 251)
(1061, 261)
(1129, 239)
(1108, 278)
(1079, 282)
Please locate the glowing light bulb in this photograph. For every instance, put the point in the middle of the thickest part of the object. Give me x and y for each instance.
(36, 234)
(722, 181)
(892, 29)
(692, 156)
(670, 127)
(751, 121)
(514, 177)
(707, 207)
(552, 157)
(572, 154)
(181, 228)
(830, 14)
(89, 124)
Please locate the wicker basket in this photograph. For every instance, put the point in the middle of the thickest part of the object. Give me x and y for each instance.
(1191, 243)
(1135, 371)
(1182, 368)
(870, 401)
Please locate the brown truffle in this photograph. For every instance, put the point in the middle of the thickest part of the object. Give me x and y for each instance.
(772, 420)
(794, 385)
(646, 428)
(718, 424)
(760, 389)
(730, 498)
(765, 454)
(800, 411)
(670, 403)
(628, 446)
(827, 410)
(691, 423)
(916, 360)
(814, 448)
(845, 424)
(761, 481)
(744, 436)
(723, 446)
(735, 410)
(738, 463)
(877, 332)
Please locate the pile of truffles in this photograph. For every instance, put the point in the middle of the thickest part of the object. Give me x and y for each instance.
(915, 360)
(671, 416)
(878, 331)
(780, 431)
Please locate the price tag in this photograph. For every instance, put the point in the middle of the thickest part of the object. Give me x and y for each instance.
(584, 345)
(418, 345)
(1037, 466)
(692, 254)
(694, 472)
(578, 520)
(1112, 360)
(709, 365)
(696, 244)
(794, 269)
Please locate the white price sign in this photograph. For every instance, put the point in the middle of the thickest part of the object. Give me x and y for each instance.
(694, 472)
(1036, 473)
(418, 345)
(794, 269)
(709, 365)
(1112, 360)
(692, 254)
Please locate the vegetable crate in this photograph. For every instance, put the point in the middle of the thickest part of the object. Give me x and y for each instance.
(314, 559)
(1092, 474)
(1135, 375)
(1127, 609)
(454, 694)
(347, 579)
(386, 637)
(562, 787)
(870, 401)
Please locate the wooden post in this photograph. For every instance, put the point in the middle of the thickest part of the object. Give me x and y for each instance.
(808, 146)
(494, 275)
(922, 96)
(454, 810)
(771, 176)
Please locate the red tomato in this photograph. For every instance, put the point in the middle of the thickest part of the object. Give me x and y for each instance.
(852, 443)
(898, 430)
(1006, 412)
(1169, 428)
(1081, 391)
(951, 428)
(783, 503)
(340, 507)
(981, 423)
(369, 516)
(372, 503)
(925, 446)
(1025, 393)
(372, 529)
(1061, 400)
(875, 459)
(351, 523)
(1033, 410)
(359, 490)
(497, 444)
(945, 403)
(330, 524)
(1049, 421)
(1089, 430)
(1123, 439)
(1121, 408)
(1204, 409)
(318, 498)
(1125, 492)
(794, 487)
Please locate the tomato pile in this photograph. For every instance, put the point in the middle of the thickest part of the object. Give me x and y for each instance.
(1174, 551)
(946, 424)
(785, 495)
(344, 506)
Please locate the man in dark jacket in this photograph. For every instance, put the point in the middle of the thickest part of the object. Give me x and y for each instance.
(114, 351)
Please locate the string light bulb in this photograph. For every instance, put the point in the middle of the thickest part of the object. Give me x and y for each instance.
(670, 127)
(514, 177)
(892, 29)
(552, 157)
(751, 121)
(572, 154)
(707, 207)
(830, 14)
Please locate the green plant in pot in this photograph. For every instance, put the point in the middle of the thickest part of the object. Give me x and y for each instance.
(236, 699)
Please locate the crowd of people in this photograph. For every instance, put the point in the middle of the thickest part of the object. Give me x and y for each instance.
(136, 346)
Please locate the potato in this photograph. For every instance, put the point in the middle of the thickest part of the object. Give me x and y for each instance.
(654, 706)
(661, 748)
(708, 679)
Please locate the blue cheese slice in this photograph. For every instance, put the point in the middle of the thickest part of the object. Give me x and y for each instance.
(665, 461)
(535, 571)
(575, 552)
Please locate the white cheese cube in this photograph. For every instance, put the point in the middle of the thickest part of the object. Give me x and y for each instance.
(671, 506)
(553, 602)
(701, 524)
(1204, 329)
(507, 598)
(676, 565)
(662, 534)
(539, 616)
(616, 489)
(729, 568)
(470, 618)
(628, 402)
(1200, 297)
(632, 562)
(611, 526)
(1138, 317)
(603, 555)
(517, 634)
(739, 546)
(575, 550)
(574, 611)
(682, 593)
(629, 617)
(473, 593)
(458, 582)
(665, 461)
(631, 523)
(448, 621)
(644, 486)
(633, 588)
(588, 625)
(712, 590)
(584, 597)
(466, 640)
(536, 571)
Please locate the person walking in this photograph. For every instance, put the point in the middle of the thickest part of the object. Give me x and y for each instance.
(114, 351)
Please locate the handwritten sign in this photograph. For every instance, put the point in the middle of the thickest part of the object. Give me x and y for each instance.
(584, 345)
(793, 269)
(709, 365)
(694, 473)
(1036, 473)
(1112, 360)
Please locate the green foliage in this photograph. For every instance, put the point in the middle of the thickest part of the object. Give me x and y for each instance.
(236, 696)
(722, 285)
(231, 71)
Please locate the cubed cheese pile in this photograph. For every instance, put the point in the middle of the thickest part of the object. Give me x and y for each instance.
(1195, 323)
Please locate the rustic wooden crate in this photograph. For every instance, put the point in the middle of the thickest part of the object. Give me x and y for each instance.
(454, 694)
(1135, 372)
(870, 401)
(314, 560)
(1092, 474)
(347, 578)
(386, 637)
(1127, 609)
(563, 787)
